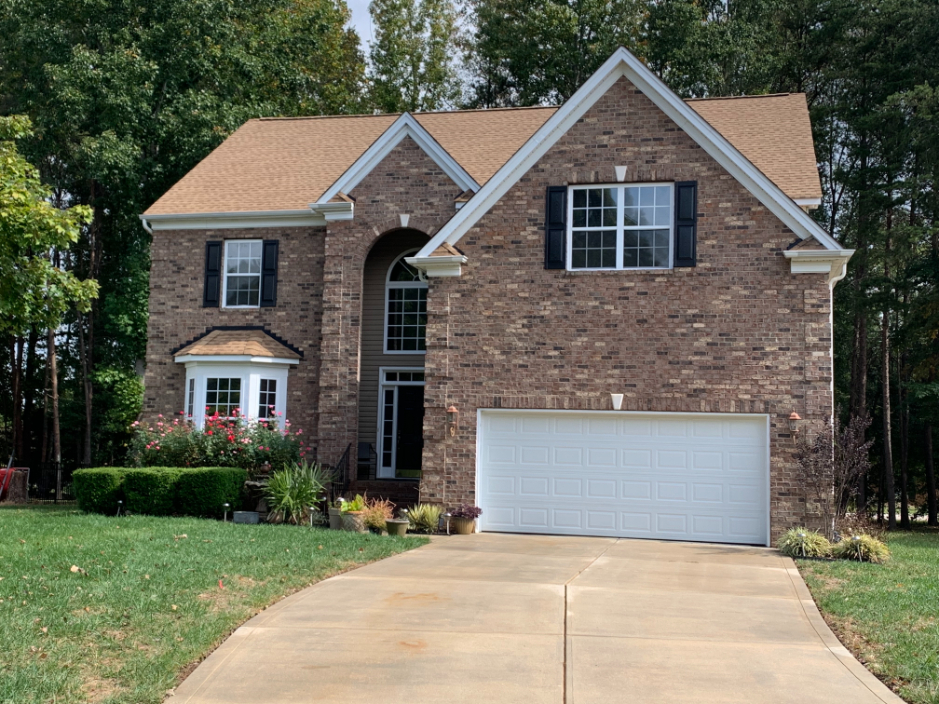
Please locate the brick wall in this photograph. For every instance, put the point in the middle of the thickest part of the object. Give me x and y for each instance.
(177, 315)
(738, 333)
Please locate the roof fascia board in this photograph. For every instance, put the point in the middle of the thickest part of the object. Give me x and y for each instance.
(820, 261)
(332, 212)
(404, 126)
(622, 63)
(439, 266)
(232, 359)
(233, 221)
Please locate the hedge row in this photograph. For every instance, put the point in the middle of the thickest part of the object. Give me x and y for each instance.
(160, 491)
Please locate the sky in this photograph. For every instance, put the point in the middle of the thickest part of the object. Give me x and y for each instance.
(361, 20)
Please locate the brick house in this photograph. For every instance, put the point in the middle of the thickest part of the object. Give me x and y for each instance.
(595, 319)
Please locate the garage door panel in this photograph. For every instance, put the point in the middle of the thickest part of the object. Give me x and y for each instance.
(687, 477)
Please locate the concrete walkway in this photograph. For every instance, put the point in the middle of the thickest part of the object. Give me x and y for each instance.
(528, 619)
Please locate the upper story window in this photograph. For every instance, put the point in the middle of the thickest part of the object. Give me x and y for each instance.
(405, 308)
(620, 227)
(242, 282)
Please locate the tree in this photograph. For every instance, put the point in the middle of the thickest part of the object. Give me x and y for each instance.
(411, 61)
(125, 99)
(35, 292)
(532, 52)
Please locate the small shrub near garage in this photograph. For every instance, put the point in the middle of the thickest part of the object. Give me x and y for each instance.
(99, 489)
(203, 491)
(802, 542)
(863, 548)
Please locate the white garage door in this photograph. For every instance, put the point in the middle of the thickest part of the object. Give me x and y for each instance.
(701, 477)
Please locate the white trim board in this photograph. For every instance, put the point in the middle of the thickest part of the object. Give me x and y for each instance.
(404, 126)
(623, 63)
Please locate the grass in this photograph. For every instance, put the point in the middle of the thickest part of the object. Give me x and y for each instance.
(887, 615)
(116, 610)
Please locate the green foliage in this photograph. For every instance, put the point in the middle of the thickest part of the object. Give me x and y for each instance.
(863, 548)
(203, 491)
(35, 292)
(531, 52)
(99, 489)
(152, 490)
(154, 580)
(221, 441)
(802, 542)
(295, 489)
(411, 64)
(356, 504)
(424, 518)
(377, 511)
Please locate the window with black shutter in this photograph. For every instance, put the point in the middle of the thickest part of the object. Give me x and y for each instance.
(555, 228)
(686, 223)
(213, 275)
(269, 274)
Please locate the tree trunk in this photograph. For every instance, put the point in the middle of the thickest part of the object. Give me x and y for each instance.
(29, 396)
(84, 350)
(889, 489)
(16, 387)
(44, 454)
(904, 456)
(930, 479)
(54, 394)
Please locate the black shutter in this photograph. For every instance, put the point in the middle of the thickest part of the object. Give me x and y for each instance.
(555, 228)
(686, 223)
(269, 273)
(213, 274)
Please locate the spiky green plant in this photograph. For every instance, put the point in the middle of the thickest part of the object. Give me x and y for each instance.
(424, 518)
(292, 491)
(862, 547)
(802, 542)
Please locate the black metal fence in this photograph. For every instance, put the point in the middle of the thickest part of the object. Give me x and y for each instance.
(51, 482)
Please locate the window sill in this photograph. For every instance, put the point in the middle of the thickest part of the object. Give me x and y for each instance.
(649, 270)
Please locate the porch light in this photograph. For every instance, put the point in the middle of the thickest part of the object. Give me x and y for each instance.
(453, 417)
(794, 420)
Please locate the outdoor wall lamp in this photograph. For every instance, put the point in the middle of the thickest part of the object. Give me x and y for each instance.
(453, 417)
(794, 420)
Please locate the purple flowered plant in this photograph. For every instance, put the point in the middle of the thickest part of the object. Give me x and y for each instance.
(470, 512)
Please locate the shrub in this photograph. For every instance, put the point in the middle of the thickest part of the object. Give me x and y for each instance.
(377, 511)
(293, 490)
(424, 518)
(151, 490)
(203, 491)
(356, 504)
(802, 542)
(99, 489)
(231, 442)
(863, 548)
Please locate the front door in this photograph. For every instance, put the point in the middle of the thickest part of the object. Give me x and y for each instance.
(402, 424)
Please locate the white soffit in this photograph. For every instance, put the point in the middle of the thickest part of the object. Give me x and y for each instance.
(404, 126)
(623, 63)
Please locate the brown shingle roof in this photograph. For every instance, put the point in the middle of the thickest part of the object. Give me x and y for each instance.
(772, 131)
(255, 343)
(288, 163)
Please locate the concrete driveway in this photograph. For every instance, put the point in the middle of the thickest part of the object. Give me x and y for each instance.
(516, 618)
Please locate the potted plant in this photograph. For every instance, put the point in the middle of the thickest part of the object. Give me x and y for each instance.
(464, 519)
(335, 514)
(424, 518)
(398, 526)
(353, 515)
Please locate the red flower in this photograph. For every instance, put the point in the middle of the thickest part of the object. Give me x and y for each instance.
(231, 438)
(208, 432)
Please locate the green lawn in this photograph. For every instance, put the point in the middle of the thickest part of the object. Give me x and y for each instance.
(147, 597)
(888, 615)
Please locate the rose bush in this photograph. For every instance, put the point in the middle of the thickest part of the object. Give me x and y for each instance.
(222, 442)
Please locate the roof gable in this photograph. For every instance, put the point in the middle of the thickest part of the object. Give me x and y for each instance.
(624, 64)
(404, 126)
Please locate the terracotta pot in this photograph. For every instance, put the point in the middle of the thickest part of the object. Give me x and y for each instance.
(335, 518)
(463, 526)
(397, 526)
(354, 521)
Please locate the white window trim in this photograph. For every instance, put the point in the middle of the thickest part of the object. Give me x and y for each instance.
(620, 227)
(225, 274)
(389, 472)
(389, 285)
(250, 374)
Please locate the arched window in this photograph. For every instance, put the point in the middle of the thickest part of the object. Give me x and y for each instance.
(405, 308)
